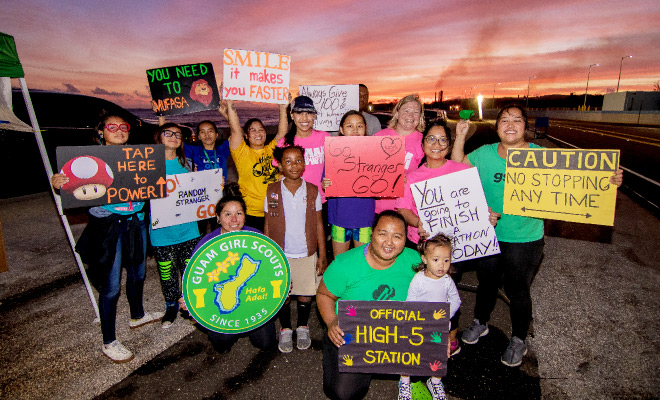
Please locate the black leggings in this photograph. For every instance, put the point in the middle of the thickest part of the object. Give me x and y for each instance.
(341, 385)
(262, 338)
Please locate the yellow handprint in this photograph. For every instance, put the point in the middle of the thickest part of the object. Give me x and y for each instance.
(439, 314)
(348, 360)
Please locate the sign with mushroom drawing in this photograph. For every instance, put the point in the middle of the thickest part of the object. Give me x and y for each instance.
(100, 175)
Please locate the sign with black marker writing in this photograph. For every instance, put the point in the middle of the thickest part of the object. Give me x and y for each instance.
(190, 197)
(394, 337)
(365, 166)
(455, 205)
(565, 184)
(183, 89)
(100, 175)
(331, 103)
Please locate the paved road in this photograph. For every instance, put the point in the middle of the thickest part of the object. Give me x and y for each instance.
(594, 332)
(640, 147)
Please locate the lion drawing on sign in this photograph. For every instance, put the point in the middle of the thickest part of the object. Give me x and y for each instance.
(201, 92)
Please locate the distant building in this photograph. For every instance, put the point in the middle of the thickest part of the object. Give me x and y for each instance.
(632, 101)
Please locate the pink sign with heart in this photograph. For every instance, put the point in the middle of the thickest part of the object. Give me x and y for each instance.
(365, 166)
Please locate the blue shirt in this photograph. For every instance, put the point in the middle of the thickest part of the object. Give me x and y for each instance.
(209, 159)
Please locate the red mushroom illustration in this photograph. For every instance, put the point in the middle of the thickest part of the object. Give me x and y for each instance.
(89, 177)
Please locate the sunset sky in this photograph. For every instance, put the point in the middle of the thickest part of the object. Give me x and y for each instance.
(103, 48)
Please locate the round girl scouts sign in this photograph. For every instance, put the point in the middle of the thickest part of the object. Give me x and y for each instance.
(236, 282)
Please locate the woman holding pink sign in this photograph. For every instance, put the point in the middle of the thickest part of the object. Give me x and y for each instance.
(407, 122)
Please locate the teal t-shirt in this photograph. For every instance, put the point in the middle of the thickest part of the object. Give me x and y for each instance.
(350, 277)
(134, 207)
(177, 233)
(492, 172)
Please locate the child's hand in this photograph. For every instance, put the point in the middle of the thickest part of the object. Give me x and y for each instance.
(617, 178)
(58, 180)
(422, 232)
(493, 217)
(325, 183)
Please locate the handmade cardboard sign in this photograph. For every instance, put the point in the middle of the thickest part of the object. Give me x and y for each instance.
(256, 76)
(331, 102)
(394, 337)
(183, 89)
(365, 166)
(455, 205)
(101, 175)
(564, 184)
(236, 282)
(190, 197)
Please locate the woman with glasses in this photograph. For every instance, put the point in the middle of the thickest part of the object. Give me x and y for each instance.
(407, 122)
(115, 238)
(436, 144)
(173, 245)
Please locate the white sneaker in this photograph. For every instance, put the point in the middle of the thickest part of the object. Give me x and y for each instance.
(286, 342)
(117, 352)
(303, 341)
(147, 318)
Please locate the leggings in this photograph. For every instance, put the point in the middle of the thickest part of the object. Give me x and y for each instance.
(514, 267)
(341, 385)
(172, 261)
(263, 338)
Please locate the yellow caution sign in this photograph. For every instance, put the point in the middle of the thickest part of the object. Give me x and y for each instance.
(565, 184)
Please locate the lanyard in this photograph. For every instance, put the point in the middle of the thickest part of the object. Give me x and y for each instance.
(215, 157)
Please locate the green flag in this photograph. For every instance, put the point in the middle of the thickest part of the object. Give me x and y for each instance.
(10, 65)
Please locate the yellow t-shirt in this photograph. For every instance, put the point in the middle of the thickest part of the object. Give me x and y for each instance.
(255, 172)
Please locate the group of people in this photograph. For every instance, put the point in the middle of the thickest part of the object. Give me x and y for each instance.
(280, 192)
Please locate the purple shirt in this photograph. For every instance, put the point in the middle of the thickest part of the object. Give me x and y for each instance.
(217, 233)
(351, 212)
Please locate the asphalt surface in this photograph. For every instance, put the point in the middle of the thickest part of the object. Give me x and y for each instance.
(594, 333)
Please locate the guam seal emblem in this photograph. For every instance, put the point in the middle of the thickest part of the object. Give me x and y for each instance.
(236, 282)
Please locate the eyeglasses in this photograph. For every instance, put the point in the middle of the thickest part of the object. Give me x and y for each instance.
(122, 127)
(435, 139)
(168, 133)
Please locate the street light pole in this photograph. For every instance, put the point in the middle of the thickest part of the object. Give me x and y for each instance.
(494, 84)
(620, 67)
(529, 81)
(587, 89)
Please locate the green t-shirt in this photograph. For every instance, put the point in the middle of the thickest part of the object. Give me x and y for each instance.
(350, 277)
(492, 172)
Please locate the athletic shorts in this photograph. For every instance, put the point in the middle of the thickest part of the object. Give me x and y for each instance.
(343, 235)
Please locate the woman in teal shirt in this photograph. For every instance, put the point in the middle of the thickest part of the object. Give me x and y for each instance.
(173, 245)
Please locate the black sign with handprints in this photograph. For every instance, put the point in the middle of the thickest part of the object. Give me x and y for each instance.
(394, 337)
